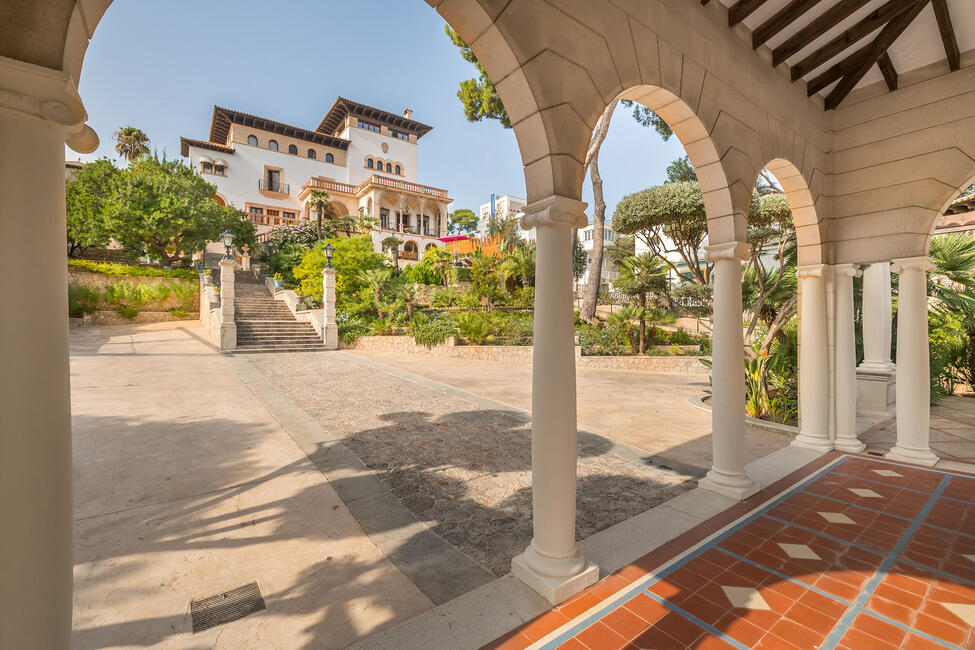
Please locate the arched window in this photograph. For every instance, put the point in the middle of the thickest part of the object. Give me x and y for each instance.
(369, 163)
(272, 145)
(329, 158)
(398, 171)
(389, 168)
(292, 149)
(311, 154)
(252, 140)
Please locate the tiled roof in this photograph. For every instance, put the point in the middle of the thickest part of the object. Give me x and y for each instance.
(186, 143)
(224, 117)
(344, 107)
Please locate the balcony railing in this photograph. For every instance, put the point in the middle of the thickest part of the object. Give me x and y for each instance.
(332, 186)
(267, 186)
(392, 183)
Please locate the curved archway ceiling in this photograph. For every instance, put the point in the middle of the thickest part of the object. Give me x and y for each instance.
(836, 46)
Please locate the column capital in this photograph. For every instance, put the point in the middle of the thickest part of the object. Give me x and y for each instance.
(850, 270)
(733, 250)
(555, 210)
(46, 96)
(811, 271)
(921, 263)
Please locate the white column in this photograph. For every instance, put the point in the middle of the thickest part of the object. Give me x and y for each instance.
(39, 110)
(727, 475)
(845, 360)
(813, 360)
(913, 363)
(552, 564)
(877, 318)
(330, 330)
(228, 328)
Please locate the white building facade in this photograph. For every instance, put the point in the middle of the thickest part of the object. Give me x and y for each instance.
(505, 205)
(364, 157)
(608, 273)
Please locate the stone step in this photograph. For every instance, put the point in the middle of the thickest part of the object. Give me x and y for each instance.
(320, 347)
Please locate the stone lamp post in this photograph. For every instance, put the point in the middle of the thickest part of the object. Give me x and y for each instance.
(330, 330)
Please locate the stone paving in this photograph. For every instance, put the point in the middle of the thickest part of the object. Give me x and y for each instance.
(460, 463)
(952, 430)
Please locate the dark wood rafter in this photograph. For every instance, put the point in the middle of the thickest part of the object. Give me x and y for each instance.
(870, 23)
(887, 69)
(947, 33)
(827, 21)
(782, 19)
(837, 71)
(742, 10)
(875, 50)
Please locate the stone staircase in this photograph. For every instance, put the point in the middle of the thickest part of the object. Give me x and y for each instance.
(265, 324)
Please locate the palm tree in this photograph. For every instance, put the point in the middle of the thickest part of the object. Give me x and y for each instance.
(392, 243)
(368, 223)
(624, 317)
(953, 284)
(376, 280)
(520, 263)
(131, 143)
(639, 276)
(409, 292)
(441, 262)
(320, 203)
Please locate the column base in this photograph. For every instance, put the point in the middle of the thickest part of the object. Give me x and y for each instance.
(876, 392)
(228, 336)
(816, 443)
(737, 487)
(555, 589)
(917, 456)
(331, 337)
(849, 445)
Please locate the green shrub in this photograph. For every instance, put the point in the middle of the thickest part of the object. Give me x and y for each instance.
(82, 300)
(430, 331)
(113, 268)
(705, 344)
(444, 297)
(125, 311)
(609, 340)
(460, 274)
(179, 313)
(469, 300)
(473, 326)
(350, 328)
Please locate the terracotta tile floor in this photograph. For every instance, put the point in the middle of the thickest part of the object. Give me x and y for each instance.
(863, 554)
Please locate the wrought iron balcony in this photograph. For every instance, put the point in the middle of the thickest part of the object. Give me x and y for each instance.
(268, 186)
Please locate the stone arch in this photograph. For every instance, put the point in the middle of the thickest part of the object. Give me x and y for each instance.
(944, 206)
(412, 205)
(429, 246)
(340, 209)
(802, 201)
(220, 199)
(390, 201)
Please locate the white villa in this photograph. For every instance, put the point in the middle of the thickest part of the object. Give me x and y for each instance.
(504, 205)
(364, 157)
(608, 273)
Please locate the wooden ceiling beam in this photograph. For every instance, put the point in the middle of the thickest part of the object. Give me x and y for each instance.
(782, 19)
(838, 70)
(876, 49)
(947, 33)
(872, 21)
(887, 69)
(827, 21)
(742, 10)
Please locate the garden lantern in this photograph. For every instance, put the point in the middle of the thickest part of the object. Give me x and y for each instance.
(329, 249)
(227, 238)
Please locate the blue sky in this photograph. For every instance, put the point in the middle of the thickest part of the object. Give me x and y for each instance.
(161, 66)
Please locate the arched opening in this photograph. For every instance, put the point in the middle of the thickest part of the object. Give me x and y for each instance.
(272, 145)
(293, 149)
(252, 140)
(313, 155)
(329, 158)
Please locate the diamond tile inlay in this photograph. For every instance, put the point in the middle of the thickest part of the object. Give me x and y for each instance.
(745, 598)
(969, 557)
(836, 518)
(886, 472)
(864, 492)
(964, 611)
(799, 552)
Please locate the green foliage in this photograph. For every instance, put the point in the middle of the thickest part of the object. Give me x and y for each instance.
(131, 143)
(82, 300)
(648, 118)
(162, 207)
(460, 274)
(352, 255)
(430, 331)
(485, 278)
(473, 326)
(478, 96)
(603, 340)
(126, 311)
(519, 264)
(619, 250)
(579, 260)
(506, 228)
(462, 220)
(351, 328)
(178, 313)
(112, 268)
(681, 170)
(87, 197)
(445, 297)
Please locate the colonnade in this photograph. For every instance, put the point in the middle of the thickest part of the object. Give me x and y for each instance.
(552, 564)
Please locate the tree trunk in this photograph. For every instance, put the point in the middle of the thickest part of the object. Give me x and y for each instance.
(588, 311)
(319, 225)
(643, 322)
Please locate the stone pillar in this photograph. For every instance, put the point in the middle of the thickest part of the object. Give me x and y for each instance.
(39, 112)
(228, 329)
(813, 360)
(330, 330)
(913, 363)
(845, 360)
(552, 564)
(876, 375)
(245, 258)
(727, 475)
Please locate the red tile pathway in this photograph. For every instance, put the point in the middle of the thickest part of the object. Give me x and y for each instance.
(863, 554)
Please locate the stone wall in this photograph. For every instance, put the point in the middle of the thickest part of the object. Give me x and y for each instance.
(113, 318)
(102, 280)
(680, 365)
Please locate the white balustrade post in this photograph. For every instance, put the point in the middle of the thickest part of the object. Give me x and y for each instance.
(552, 564)
(228, 328)
(727, 475)
(845, 360)
(813, 360)
(913, 363)
(876, 318)
(39, 111)
(330, 329)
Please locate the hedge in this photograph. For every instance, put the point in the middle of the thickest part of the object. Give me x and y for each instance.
(114, 268)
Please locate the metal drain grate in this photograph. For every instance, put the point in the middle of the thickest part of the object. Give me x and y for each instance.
(223, 608)
(874, 452)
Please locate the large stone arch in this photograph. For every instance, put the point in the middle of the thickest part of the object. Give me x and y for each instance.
(803, 198)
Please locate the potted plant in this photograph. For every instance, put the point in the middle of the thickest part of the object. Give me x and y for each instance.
(278, 280)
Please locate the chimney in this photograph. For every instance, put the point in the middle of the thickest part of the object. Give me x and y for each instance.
(408, 113)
